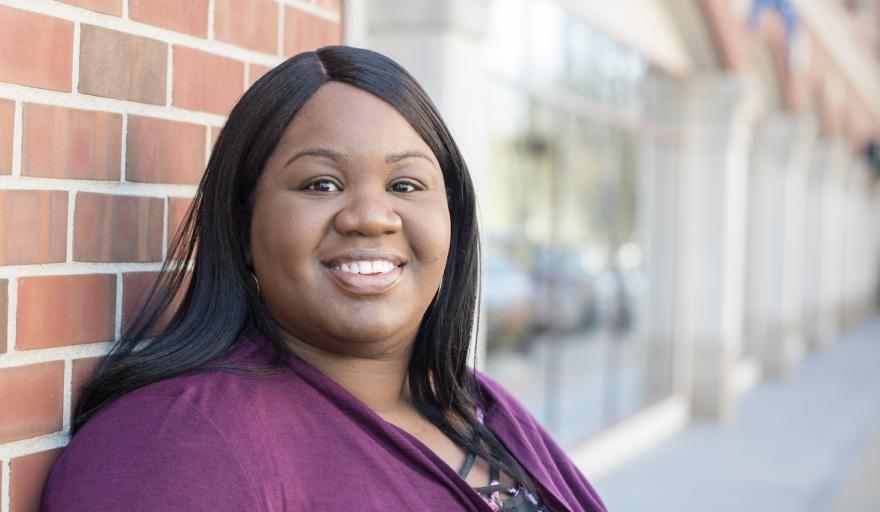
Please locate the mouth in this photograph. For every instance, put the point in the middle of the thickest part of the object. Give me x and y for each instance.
(365, 274)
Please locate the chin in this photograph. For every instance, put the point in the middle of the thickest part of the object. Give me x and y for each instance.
(370, 331)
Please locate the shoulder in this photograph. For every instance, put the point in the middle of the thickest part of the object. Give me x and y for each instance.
(153, 449)
(533, 446)
(177, 444)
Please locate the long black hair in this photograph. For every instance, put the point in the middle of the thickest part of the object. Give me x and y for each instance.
(205, 298)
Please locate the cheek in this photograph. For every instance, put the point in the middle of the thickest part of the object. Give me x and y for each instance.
(430, 240)
(283, 239)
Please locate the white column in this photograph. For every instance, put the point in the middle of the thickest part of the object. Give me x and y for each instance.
(858, 285)
(874, 249)
(713, 192)
(439, 43)
(836, 192)
(823, 273)
(775, 311)
(659, 221)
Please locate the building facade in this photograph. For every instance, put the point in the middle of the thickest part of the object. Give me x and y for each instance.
(677, 196)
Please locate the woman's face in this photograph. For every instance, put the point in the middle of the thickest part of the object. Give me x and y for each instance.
(350, 229)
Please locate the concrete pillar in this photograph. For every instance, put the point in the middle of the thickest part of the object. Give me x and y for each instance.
(658, 199)
(439, 43)
(823, 272)
(713, 197)
(858, 275)
(775, 312)
(836, 187)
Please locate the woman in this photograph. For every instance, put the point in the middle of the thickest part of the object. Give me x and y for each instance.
(317, 359)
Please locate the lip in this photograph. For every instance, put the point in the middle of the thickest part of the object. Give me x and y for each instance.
(366, 284)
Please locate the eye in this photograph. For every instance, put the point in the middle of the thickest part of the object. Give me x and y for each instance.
(405, 186)
(322, 185)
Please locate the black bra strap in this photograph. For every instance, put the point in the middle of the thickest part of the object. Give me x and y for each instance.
(467, 464)
(494, 473)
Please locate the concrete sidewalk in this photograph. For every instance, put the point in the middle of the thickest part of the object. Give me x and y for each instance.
(808, 443)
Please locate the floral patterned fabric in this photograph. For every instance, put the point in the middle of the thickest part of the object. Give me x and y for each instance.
(517, 499)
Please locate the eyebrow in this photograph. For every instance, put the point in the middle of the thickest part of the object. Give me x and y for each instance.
(338, 157)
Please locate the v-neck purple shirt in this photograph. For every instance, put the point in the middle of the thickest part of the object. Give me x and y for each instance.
(294, 440)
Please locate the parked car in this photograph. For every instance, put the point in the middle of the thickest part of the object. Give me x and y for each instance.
(565, 297)
(507, 298)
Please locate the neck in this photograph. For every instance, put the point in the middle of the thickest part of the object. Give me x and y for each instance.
(379, 381)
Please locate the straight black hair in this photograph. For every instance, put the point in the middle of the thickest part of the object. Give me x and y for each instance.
(205, 299)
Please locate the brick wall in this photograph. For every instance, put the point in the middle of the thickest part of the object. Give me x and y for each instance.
(108, 109)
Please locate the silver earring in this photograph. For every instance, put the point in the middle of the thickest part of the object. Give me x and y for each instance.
(257, 283)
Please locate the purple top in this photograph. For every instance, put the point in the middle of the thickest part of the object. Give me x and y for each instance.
(290, 441)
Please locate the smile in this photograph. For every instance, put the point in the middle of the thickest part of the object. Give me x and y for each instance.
(366, 267)
(366, 277)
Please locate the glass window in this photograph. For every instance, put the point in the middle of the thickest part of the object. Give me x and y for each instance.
(580, 189)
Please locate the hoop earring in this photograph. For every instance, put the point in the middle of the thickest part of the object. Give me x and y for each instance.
(257, 283)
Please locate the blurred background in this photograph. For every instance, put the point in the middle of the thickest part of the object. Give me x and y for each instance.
(680, 216)
(678, 202)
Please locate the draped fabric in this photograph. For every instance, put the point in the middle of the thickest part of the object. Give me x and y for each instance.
(290, 441)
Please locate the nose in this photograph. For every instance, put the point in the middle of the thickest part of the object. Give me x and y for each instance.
(367, 213)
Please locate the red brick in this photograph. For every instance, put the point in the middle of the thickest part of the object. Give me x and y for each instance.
(111, 228)
(27, 478)
(190, 16)
(249, 23)
(177, 209)
(54, 311)
(331, 5)
(135, 287)
(4, 312)
(60, 142)
(37, 49)
(256, 71)
(7, 123)
(162, 151)
(32, 401)
(113, 7)
(304, 31)
(81, 374)
(215, 132)
(206, 82)
(33, 226)
(124, 66)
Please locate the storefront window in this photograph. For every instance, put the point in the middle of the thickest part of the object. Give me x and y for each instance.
(576, 145)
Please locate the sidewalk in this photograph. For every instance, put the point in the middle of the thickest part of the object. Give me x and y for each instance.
(809, 443)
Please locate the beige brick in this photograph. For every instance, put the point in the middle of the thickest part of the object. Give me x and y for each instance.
(124, 66)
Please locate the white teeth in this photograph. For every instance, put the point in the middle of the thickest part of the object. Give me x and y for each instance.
(366, 267)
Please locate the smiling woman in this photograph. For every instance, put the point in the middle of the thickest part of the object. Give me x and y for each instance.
(318, 357)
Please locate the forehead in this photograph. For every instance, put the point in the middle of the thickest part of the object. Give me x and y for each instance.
(350, 120)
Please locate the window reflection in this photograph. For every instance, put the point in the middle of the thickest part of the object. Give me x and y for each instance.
(568, 296)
